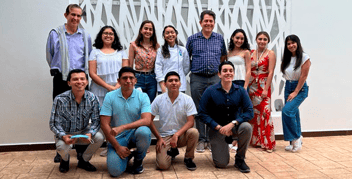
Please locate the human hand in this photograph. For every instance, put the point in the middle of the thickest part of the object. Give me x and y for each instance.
(116, 130)
(67, 139)
(173, 141)
(88, 139)
(227, 130)
(123, 152)
(264, 94)
(160, 144)
(291, 96)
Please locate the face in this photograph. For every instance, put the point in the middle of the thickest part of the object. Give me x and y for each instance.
(170, 36)
(238, 39)
(147, 30)
(127, 81)
(108, 36)
(173, 83)
(207, 23)
(226, 73)
(291, 46)
(262, 41)
(78, 81)
(74, 17)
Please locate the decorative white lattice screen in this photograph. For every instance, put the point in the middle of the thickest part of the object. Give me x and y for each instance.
(253, 16)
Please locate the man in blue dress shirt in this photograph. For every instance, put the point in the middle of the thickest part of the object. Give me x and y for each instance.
(206, 50)
(218, 109)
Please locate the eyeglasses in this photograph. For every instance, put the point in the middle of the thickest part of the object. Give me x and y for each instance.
(108, 33)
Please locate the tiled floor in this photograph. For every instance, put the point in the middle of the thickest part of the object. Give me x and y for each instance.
(321, 157)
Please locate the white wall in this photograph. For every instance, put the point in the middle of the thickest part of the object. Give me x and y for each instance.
(325, 28)
(26, 85)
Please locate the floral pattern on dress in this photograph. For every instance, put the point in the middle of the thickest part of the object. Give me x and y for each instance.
(262, 123)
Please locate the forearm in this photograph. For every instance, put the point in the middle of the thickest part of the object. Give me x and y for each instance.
(125, 62)
(184, 128)
(246, 81)
(99, 81)
(301, 81)
(141, 122)
(107, 129)
(268, 81)
(154, 130)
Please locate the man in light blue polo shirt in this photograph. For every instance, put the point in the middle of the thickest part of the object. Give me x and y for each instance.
(125, 115)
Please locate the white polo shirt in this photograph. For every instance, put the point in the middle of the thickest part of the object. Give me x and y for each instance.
(172, 116)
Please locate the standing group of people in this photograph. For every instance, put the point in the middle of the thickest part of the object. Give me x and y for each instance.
(229, 103)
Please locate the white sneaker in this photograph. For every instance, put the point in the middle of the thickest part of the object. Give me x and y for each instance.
(104, 153)
(200, 147)
(290, 147)
(297, 144)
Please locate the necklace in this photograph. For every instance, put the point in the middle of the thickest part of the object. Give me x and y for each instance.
(257, 62)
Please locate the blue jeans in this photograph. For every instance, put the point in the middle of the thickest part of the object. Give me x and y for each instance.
(140, 137)
(148, 84)
(198, 86)
(291, 122)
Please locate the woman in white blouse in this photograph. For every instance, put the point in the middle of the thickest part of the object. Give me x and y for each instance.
(171, 57)
(295, 68)
(105, 62)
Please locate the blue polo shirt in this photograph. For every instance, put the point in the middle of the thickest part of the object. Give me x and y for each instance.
(217, 107)
(125, 111)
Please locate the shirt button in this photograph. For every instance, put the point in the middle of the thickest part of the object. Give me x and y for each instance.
(228, 107)
(228, 114)
(227, 100)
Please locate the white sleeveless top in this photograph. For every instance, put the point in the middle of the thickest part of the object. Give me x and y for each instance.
(108, 67)
(240, 67)
(290, 73)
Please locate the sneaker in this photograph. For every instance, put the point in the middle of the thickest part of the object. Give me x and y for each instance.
(137, 167)
(297, 145)
(86, 166)
(209, 146)
(190, 165)
(242, 166)
(200, 147)
(104, 153)
(57, 158)
(64, 165)
(233, 149)
(290, 147)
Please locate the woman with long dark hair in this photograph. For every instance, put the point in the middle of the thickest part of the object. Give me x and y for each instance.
(171, 57)
(105, 62)
(263, 63)
(295, 68)
(239, 55)
(142, 54)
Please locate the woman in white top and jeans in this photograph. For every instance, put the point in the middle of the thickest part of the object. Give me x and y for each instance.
(295, 67)
(239, 55)
(171, 57)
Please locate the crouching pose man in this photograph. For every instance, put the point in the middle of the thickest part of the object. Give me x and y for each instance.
(176, 115)
(125, 115)
(70, 116)
(218, 109)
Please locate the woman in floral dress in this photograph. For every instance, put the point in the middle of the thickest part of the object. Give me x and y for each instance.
(263, 63)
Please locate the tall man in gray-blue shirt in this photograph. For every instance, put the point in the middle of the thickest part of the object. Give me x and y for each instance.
(67, 48)
(207, 50)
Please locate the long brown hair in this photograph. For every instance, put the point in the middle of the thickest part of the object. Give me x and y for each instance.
(153, 39)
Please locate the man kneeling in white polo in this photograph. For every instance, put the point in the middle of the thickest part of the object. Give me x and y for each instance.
(176, 116)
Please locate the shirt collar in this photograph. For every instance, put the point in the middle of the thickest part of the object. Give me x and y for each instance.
(85, 95)
(233, 87)
(119, 93)
(200, 34)
(79, 30)
(168, 97)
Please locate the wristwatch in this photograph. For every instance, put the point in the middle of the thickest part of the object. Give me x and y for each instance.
(234, 122)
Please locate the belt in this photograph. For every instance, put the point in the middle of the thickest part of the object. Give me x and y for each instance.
(145, 72)
(205, 74)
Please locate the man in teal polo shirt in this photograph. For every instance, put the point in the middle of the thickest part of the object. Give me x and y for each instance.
(124, 116)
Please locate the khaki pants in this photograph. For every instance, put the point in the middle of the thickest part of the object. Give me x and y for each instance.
(189, 139)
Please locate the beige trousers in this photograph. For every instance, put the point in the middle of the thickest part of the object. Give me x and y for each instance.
(188, 139)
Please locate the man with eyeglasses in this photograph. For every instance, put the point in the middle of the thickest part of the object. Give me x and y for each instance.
(124, 116)
(67, 48)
